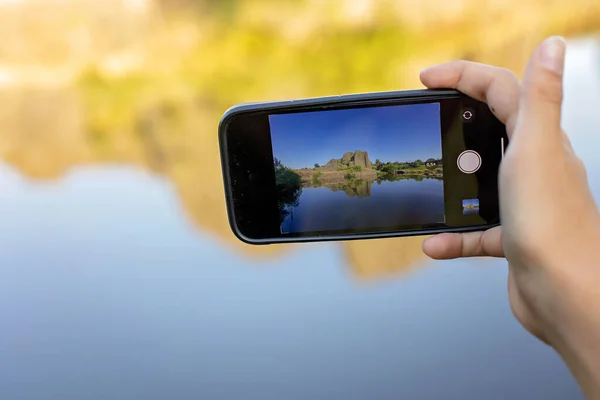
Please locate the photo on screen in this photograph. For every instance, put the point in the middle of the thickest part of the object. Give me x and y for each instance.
(358, 169)
(470, 206)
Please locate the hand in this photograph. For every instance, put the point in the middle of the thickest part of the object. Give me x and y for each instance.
(500, 89)
(550, 230)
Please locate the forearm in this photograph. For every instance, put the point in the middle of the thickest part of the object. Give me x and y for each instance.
(577, 337)
(583, 360)
(570, 318)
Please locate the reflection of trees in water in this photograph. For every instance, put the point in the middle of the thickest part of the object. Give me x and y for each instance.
(360, 188)
(416, 177)
(356, 188)
(289, 189)
(364, 187)
(164, 117)
(45, 134)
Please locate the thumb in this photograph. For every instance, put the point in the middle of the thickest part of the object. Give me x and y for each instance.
(542, 92)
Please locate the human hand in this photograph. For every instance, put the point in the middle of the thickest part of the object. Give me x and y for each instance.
(500, 89)
(550, 223)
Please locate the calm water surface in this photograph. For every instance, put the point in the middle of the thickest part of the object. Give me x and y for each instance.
(108, 292)
(367, 205)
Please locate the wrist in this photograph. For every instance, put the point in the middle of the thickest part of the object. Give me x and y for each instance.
(576, 327)
(579, 349)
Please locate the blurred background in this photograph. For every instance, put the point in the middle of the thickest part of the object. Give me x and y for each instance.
(119, 276)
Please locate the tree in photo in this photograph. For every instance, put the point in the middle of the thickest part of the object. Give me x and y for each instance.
(289, 188)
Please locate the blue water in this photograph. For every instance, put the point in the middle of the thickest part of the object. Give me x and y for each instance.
(370, 205)
(118, 297)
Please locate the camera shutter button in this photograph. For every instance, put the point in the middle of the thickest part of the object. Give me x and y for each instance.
(469, 161)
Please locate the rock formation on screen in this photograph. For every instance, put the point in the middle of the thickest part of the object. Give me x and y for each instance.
(357, 159)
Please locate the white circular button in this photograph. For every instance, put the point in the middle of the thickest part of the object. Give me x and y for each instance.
(469, 161)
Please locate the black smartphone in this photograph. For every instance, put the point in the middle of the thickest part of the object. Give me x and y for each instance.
(361, 166)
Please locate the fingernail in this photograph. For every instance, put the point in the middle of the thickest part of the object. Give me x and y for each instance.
(552, 54)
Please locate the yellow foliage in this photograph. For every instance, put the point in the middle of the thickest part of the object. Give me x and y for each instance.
(147, 85)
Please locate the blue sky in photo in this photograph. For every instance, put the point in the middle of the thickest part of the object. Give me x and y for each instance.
(390, 133)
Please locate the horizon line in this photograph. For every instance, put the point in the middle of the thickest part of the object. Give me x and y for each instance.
(372, 162)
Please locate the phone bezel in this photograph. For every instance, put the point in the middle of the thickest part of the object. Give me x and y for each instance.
(324, 103)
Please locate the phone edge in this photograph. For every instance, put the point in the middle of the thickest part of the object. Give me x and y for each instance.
(363, 236)
(324, 101)
(336, 100)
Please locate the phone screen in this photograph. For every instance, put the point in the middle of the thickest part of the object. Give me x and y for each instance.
(342, 170)
(359, 169)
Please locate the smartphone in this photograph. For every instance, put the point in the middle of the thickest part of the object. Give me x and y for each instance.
(361, 166)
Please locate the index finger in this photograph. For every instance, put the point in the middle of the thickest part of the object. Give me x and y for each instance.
(447, 246)
(498, 87)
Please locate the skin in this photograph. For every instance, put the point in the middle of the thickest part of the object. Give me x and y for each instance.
(550, 233)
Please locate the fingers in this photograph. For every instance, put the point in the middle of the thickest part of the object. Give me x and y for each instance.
(542, 93)
(497, 87)
(448, 246)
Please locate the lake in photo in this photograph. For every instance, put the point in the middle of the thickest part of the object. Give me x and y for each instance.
(367, 204)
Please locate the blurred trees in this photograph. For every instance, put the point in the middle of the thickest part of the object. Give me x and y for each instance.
(199, 7)
(145, 83)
